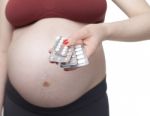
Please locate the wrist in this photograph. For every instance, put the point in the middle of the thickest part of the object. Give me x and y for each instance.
(105, 31)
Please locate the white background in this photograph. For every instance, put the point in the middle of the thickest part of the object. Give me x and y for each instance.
(128, 72)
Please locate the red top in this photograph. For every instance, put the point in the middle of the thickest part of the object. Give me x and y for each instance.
(23, 12)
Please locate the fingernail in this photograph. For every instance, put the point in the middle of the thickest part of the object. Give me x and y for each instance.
(65, 41)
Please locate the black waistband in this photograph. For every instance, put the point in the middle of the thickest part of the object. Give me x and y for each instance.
(94, 94)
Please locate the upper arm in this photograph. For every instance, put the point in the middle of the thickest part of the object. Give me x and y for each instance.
(133, 7)
(5, 28)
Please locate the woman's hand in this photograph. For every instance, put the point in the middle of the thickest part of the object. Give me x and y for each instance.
(90, 35)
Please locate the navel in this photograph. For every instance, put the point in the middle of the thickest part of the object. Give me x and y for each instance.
(46, 84)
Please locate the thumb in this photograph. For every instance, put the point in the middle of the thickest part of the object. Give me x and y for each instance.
(78, 37)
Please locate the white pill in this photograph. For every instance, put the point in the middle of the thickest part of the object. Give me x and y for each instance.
(78, 46)
(63, 53)
(57, 49)
(79, 52)
(65, 49)
(61, 40)
(80, 56)
(78, 49)
(82, 61)
(58, 37)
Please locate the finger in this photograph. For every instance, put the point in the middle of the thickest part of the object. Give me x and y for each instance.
(90, 48)
(77, 37)
(79, 41)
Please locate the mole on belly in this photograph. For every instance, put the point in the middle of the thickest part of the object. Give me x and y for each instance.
(46, 84)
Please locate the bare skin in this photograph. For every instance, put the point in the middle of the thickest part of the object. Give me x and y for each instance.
(29, 69)
(27, 49)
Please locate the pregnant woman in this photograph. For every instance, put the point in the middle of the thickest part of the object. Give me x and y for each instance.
(30, 85)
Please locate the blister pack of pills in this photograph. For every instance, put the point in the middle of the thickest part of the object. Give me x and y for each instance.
(60, 53)
(78, 58)
(68, 56)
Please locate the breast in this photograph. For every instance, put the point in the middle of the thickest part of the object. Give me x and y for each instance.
(35, 78)
(25, 12)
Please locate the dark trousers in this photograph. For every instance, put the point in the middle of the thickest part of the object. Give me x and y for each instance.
(92, 103)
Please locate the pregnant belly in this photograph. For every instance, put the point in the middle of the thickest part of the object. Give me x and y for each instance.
(35, 78)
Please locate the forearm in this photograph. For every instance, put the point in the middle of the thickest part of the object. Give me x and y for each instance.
(133, 29)
(3, 73)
